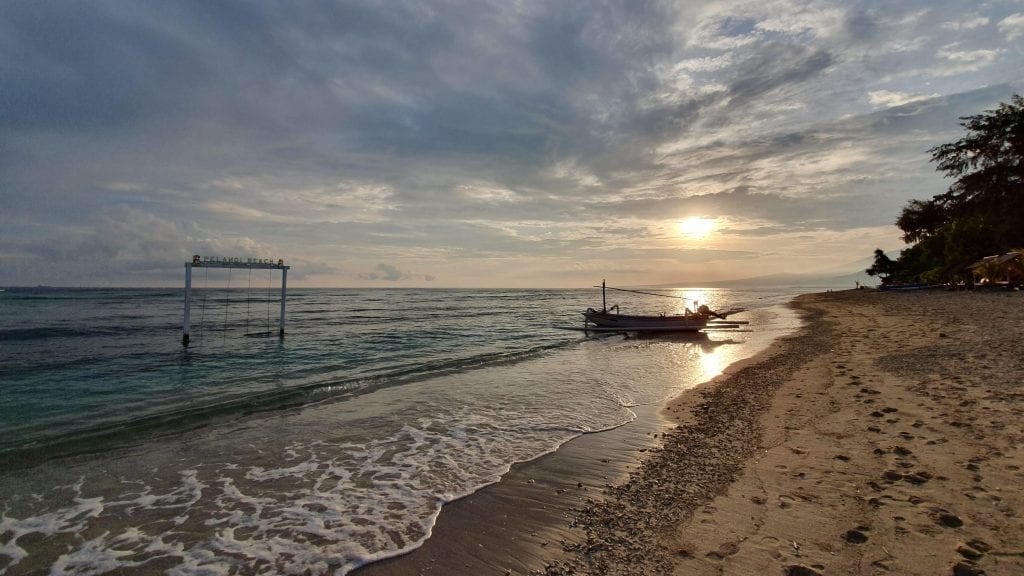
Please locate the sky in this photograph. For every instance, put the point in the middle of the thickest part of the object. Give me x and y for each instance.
(463, 143)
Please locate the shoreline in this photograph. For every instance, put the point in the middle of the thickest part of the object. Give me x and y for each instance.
(885, 436)
(528, 521)
(714, 435)
(520, 523)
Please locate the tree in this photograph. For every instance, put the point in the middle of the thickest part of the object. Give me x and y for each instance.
(982, 212)
(883, 266)
(920, 219)
(988, 167)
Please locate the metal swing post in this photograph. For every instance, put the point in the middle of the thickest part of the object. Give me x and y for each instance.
(284, 297)
(186, 324)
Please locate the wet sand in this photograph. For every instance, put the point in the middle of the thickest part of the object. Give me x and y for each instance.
(885, 437)
(520, 524)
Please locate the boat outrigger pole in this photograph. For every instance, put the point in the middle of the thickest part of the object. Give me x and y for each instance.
(603, 288)
(697, 308)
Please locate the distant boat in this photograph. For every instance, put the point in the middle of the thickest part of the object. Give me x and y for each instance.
(689, 321)
(906, 287)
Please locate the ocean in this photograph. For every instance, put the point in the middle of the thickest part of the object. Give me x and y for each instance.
(317, 453)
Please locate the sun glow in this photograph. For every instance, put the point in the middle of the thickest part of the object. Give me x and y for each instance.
(697, 228)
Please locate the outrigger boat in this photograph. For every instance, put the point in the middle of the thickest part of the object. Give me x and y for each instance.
(689, 321)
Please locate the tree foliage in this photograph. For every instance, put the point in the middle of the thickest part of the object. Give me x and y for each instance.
(988, 170)
(981, 213)
(883, 266)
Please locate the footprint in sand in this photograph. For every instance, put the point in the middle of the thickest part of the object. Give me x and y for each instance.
(892, 476)
(856, 536)
(946, 518)
(801, 570)
(970, 552)
(967, 568)
(919, 477)
(724, 551)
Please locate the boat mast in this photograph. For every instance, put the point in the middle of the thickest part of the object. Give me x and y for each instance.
(604, 301)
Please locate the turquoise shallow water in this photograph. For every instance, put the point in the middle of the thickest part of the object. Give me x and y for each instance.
(316, 453)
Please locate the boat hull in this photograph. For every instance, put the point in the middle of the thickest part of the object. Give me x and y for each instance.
(626, 322)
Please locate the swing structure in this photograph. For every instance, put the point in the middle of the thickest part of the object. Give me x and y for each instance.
(231, 263)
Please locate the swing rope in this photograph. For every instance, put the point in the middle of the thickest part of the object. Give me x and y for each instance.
(227, 298)
(268, 300)
(202, 315)
(248, 301)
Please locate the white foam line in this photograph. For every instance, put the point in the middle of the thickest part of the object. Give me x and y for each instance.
(70, 519)
(359, 503)
(189, 492)
(93, 557)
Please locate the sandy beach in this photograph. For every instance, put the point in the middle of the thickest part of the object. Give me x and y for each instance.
(883, 438)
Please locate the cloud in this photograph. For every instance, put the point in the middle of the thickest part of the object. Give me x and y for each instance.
(891, 99)
(390, 273)
(1012, 26)
(963, 61)
(776, 65)
(488, 142)
(966, 23)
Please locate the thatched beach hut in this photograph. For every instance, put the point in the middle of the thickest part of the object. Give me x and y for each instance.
(999, 270)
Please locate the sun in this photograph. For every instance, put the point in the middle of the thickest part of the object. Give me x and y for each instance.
(697, 228)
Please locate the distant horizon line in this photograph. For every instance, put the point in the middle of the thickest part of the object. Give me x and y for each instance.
(743, 283)
(777, 280)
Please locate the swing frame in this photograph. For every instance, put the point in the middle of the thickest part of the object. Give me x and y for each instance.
(230, 263)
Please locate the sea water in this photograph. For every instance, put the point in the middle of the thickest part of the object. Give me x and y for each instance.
(319, 452)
